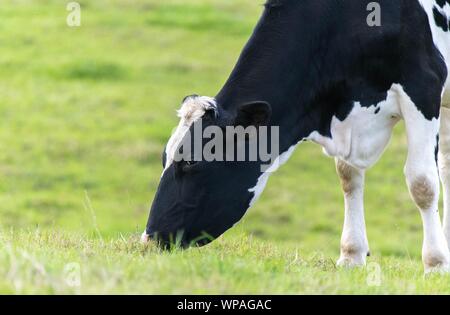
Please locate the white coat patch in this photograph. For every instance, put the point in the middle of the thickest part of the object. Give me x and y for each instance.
(262, 180)
(362, 136)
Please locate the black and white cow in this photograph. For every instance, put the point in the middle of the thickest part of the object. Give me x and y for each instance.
(316, 69)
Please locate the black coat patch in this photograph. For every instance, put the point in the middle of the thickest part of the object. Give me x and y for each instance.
(440, 19)
(441, 3)
(436, 150)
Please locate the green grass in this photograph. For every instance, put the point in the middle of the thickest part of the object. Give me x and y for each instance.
(85, 115)
(42, 262)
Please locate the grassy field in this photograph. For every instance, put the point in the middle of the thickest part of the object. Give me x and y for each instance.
(86, 113)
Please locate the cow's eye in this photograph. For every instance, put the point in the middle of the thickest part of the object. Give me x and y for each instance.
(188, 166)
(190, 163)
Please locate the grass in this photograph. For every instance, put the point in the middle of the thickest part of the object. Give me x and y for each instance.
(86, 113)
(58, 263)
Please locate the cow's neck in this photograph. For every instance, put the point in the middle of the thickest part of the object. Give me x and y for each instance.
(277, 71)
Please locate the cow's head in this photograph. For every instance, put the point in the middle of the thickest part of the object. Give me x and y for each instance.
(197, 201)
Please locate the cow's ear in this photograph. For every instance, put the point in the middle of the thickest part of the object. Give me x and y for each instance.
(253, 114)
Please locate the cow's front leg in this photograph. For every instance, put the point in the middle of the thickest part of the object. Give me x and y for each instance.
(354, 244)
(423, 182)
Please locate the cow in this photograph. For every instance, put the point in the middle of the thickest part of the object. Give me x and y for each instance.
(321, 72)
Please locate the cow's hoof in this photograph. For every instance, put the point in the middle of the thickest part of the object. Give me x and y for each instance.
(436, 263)
(351, 261)
(437, 268)
(352, 256)
(440, 270)
(145, 238)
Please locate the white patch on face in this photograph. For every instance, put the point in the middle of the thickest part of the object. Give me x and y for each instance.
(262, 180)
(191, 110)
(361, 138)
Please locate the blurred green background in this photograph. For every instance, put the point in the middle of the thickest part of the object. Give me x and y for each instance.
(86, 112)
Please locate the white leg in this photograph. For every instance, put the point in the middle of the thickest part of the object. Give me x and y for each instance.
(423, 182)
(444, 166)
(354, 244)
